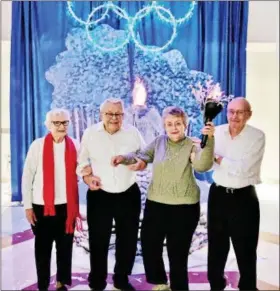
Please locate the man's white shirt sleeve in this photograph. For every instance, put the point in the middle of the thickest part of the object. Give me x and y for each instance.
(241, 157)
(83, 156)
(246, 165)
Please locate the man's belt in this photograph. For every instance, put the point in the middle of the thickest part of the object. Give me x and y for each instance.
(233, 190)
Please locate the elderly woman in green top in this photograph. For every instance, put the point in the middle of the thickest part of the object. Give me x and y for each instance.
(172, 208)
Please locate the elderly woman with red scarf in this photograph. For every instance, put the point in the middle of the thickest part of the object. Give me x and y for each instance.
(50, 196)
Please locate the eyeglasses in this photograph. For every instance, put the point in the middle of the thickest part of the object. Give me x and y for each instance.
(111, 115)
(58, 123)
(237, 112)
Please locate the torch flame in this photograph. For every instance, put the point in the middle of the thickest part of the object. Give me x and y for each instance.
(139, 93)
(215, 93)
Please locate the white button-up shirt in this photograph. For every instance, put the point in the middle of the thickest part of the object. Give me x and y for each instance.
(32, 177)
(97, 149)
(242, 157)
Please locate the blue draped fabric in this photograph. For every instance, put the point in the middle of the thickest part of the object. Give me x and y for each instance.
(213, 41)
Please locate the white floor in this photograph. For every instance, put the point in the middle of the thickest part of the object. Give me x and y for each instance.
(18, 268)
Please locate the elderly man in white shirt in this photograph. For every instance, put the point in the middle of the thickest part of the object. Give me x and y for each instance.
(50, 197)
(113, 194)
(233, 206)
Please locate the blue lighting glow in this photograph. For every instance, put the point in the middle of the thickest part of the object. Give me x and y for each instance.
(163, 14)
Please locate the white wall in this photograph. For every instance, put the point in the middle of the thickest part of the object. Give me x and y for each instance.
(5, 81)
(5, 112)
(263, 79)
(263, 94)
(263, 21)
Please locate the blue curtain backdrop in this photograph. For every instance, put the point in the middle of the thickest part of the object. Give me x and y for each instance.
(213, 41)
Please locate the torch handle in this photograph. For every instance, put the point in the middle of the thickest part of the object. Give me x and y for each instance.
(204, 137)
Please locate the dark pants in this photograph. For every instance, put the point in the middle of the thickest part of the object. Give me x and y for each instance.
(102, 208)
(177, 224)
(237, 216)
(48, 229)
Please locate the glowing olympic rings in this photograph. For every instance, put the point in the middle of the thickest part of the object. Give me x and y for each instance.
(163, 13)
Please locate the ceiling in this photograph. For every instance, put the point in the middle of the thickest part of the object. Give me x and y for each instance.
(263, 21)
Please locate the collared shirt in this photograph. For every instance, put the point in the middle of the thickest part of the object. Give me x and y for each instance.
(32, 177)
(242, 156)
(97, 149)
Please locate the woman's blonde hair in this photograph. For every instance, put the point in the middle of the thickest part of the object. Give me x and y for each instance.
(175, 111)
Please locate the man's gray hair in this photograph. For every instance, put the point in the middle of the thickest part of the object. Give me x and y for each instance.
(55, 112)
(111, 100)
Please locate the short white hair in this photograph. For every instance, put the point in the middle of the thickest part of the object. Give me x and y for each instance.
(113, 101)
(55, 112)
(175, 111)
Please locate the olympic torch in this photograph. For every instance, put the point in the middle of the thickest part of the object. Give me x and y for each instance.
(139, 95)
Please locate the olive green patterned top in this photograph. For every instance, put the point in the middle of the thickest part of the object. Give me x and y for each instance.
(173, 180)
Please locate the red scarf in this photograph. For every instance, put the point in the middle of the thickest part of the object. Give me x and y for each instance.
(71, 181)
